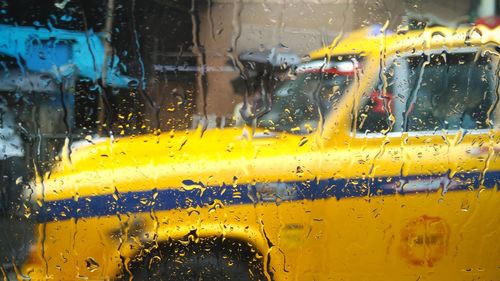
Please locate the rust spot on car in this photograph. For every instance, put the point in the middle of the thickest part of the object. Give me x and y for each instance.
(424, 240)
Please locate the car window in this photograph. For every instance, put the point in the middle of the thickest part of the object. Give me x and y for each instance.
(450, 92)
(429, 93)
(298, 102)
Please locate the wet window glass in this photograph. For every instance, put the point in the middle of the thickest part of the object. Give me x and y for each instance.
(452, 91)
(376, 108)
(249, 140)
(430, 93)
(313, 90)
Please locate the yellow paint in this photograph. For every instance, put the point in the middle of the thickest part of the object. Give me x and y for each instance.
(434, 236)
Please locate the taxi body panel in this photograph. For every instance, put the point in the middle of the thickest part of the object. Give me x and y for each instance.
(334, 204)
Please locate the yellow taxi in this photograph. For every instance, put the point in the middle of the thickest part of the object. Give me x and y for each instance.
(379, 161)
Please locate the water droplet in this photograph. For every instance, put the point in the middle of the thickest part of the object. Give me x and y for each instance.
(19, 180)
(303, 141)
(299, 171)
(191, 185)
(465, 206)
(92, 264)
(437, 34)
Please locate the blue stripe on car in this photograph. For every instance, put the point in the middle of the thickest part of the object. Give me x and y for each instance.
(197, 195)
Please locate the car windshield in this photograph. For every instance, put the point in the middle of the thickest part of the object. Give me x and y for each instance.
(298, 103)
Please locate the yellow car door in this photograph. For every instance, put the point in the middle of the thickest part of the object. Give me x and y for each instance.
(422, 163)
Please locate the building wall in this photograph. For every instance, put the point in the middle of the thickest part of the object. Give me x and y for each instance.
(228, 28)
(225, 28)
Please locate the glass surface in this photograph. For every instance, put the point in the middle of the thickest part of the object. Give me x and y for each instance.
(430, 93)
(297, 103)
(249, 140)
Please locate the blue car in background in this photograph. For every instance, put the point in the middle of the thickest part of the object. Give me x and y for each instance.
(51, 50)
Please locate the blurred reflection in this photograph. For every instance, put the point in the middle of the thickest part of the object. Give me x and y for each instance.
(313, 91)
(249, 140)
(14, 228)
(12, 164)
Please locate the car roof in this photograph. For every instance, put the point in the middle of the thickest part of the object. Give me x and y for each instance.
(363, 43)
